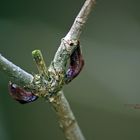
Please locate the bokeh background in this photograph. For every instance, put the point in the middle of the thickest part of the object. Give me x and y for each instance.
(105, 98)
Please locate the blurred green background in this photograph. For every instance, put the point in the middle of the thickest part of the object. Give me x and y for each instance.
(105, 97)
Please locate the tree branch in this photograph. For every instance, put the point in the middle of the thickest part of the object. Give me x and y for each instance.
(17, 74)
(55, 74)
(77, 27)
(67, 121)
(71, 40)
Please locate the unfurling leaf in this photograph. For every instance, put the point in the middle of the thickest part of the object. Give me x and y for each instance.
(76, 64)
(20, 94)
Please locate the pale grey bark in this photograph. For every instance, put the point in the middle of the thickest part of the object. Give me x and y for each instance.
(60, 104)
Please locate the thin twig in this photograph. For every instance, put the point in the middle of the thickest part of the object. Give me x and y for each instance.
(70, 41)
(17, 74)
(77, 27)
(67, 121)
(40, 63)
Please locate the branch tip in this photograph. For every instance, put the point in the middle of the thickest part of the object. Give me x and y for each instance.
(40, 63)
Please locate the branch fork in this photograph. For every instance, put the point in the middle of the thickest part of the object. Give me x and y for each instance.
(48, 83)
